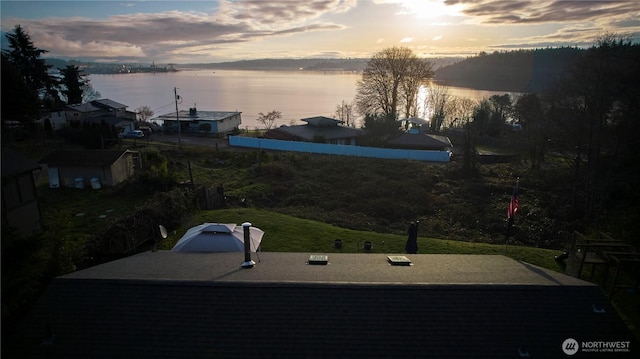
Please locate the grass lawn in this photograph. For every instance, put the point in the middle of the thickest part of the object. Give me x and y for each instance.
(285, 233)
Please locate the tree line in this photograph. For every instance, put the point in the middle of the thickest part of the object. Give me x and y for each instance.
(515, 71)
(585, 120)
(31, 87)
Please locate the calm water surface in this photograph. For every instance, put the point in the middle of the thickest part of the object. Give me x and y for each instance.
(295, 94)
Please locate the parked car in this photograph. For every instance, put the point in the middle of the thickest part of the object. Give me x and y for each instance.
(134, 134)
(146, 130)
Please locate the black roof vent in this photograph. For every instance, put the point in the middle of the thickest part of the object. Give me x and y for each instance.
(318, 260)
(398, 260)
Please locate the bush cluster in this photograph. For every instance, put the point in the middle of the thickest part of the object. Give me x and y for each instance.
(137, 231)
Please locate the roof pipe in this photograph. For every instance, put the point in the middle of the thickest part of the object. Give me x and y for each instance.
(248, 263)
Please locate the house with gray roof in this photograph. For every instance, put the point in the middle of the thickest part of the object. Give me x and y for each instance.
(309, 305)
(104, 112)
(416, 136)
(420, 141)
(203, 122)
(318, 129)
(103, 107)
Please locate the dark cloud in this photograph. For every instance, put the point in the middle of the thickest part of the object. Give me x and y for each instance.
(276, 12)
(542, 11)
(163, 35)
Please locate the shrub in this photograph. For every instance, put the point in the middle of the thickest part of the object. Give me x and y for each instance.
(127, 234)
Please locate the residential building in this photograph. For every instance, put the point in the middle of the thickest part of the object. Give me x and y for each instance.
(318, 129)
(416, 137)
(84, 168)
(289, 305)
(420, 141)
(95, 108)
(101, 111)
(203, 122)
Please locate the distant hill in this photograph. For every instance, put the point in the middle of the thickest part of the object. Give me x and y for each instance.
(352, 64)
(513, 71)
(285, 65)
(109, 68)
(516, 71)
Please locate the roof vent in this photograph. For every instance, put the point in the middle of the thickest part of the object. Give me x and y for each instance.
(248, 263)
(318, 260)
(398, 260)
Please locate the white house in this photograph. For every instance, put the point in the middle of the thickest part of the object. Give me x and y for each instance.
(194, 121)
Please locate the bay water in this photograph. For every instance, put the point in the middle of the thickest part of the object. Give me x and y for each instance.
(296, 94)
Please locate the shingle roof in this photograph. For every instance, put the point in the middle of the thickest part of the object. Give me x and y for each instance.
(322, 121)
(308, 132)
(83, 107)
(105, 102)
(83, 157)
(420, 140)
(168, 304)
(185, 115)
(14, 163)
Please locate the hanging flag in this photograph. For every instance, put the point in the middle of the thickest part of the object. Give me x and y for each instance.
(513, 205)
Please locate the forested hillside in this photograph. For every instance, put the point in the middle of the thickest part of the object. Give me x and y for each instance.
(516, 71)
(350, 64)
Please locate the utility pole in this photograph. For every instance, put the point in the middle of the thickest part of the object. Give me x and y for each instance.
(175, 92)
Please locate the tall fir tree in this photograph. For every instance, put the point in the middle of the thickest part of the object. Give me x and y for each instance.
(73, 83)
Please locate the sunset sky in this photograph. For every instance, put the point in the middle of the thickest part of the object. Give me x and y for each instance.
(226, 30)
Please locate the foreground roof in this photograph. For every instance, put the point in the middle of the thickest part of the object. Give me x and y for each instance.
(169, 304)
(14, 163)
(89, 158)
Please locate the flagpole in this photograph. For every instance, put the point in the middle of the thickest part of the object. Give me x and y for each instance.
(513, 209)
(506, 237)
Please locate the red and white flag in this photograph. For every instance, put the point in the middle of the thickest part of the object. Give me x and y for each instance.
(513, 204)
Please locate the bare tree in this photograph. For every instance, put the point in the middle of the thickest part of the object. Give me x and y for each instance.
(461, 110)
(437, 100)
(89, 93)
(391, 78)
(268, 120)
(418, 71)
(144, 113)
(344, 113)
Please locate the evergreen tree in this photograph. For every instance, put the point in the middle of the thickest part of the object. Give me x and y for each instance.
(18, 102)
(73, 83)
(25, 57)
